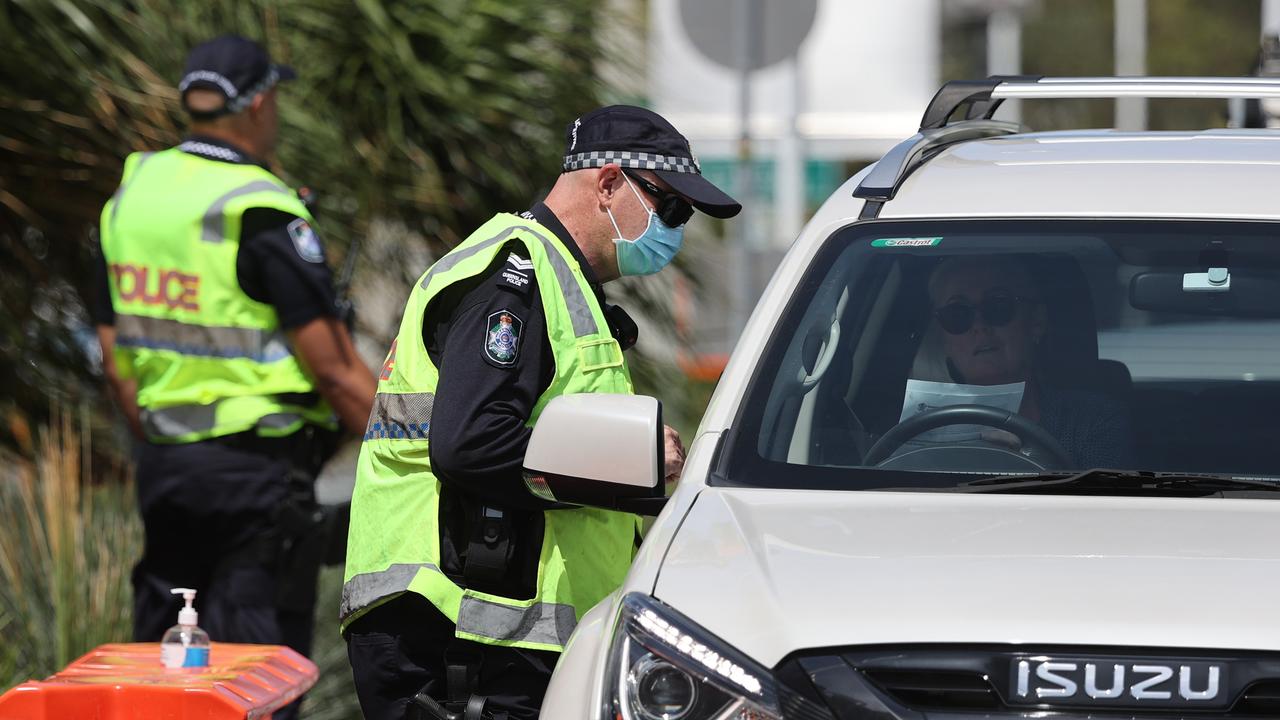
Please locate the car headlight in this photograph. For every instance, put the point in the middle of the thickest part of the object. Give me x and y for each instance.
(663, 666)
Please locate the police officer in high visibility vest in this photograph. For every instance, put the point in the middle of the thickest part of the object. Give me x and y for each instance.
(222, 342)
(461, 587)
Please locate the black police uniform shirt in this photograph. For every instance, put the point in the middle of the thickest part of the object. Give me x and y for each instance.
(220, 476)
(487, 391)
(270, 267)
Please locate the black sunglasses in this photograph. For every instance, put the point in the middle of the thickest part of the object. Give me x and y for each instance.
(670, 207)
(997, 310)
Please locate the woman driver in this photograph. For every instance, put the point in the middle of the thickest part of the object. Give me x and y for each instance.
(993, 321)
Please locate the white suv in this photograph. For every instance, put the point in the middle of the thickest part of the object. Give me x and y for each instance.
(1001, 440)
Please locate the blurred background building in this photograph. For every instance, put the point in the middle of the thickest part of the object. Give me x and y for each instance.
(785, 99)
(781, 99)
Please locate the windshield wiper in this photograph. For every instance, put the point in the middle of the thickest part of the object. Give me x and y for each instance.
(1104, 480)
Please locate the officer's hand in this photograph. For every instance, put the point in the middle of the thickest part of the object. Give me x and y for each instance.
(674, 453)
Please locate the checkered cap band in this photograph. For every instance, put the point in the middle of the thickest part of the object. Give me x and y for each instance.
(227, 86)
(268, 81)
(629, 159)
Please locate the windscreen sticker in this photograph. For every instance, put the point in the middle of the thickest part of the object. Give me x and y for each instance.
(906, 242)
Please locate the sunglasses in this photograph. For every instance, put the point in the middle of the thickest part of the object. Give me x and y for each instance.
(997, 310)
(669, 207)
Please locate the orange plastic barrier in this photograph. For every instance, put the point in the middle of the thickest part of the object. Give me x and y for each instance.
(127, 682)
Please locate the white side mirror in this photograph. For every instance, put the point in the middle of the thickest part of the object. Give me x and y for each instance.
(599, 450)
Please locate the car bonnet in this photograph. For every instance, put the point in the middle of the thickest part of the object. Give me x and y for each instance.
(774, 571)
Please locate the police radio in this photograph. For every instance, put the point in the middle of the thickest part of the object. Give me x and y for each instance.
(621, 326)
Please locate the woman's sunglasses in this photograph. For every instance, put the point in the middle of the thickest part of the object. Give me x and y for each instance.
(997, 310)
(670, 207)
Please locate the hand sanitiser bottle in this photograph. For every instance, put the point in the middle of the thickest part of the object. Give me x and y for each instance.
(184, 644)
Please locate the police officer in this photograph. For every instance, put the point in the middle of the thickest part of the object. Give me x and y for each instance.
(461, 586)
(222, 342)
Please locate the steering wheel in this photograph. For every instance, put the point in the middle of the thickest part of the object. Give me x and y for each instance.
(1034, 438)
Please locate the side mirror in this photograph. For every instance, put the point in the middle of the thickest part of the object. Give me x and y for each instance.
(600, 450)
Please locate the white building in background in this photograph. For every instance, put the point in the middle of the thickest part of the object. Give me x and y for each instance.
(865, 71)
(858, 82)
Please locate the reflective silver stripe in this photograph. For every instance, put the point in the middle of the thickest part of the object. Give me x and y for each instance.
(545, 623)
(179, 420)
(579, 311)
(213, 220)
(584, 322)
(115, 199)
(278, 421)
(451, 259)
(367, 588)
(139, 331)
(402, 416)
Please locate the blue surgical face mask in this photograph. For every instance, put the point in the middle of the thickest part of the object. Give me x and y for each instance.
(653, 249)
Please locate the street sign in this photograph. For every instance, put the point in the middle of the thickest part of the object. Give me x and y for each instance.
(715, 26)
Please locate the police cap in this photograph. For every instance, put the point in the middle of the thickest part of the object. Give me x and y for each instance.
(236, 67)
(633, 137)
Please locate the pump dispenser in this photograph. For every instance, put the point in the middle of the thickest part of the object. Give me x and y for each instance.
(185, 644)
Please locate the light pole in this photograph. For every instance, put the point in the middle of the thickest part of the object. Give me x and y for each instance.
(1131, 60)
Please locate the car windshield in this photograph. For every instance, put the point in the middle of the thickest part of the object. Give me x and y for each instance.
(928, 354)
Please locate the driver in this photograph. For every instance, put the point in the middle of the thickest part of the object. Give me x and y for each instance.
(993, 321)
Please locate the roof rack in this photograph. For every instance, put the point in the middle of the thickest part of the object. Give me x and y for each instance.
(886, 177)
(980, 98)
(977, 100)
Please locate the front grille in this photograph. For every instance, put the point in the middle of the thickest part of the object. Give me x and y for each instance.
(1260, 699)
(930, 690)
(894, 682)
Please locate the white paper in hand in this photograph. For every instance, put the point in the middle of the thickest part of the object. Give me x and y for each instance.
(924, 395)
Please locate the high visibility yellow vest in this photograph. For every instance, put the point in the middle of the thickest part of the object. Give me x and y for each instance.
(394, 541)
(208, 359)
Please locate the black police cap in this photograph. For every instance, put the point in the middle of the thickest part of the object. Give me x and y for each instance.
(234, 66)
(633, 137)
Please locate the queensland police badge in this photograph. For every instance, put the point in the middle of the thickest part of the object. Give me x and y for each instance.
(305, 241)
(502, 343)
